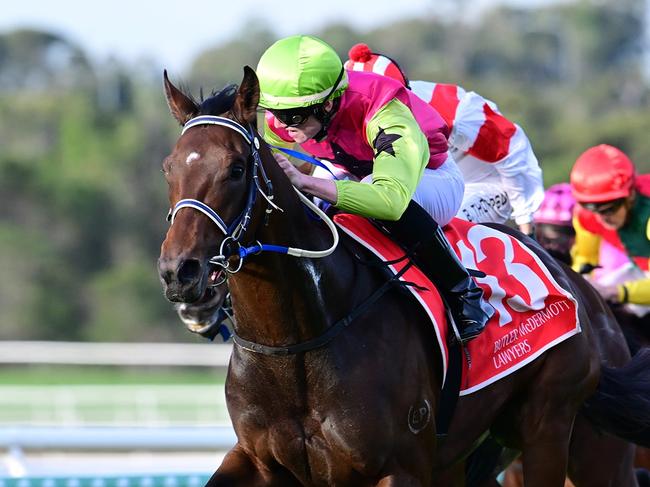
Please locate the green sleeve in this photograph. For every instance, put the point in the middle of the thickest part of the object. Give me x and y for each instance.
(401, 154)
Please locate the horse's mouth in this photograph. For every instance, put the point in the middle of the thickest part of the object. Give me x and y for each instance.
(216, 278)
(205, 311)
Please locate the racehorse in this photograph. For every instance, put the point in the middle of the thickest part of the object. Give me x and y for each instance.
(321, 383)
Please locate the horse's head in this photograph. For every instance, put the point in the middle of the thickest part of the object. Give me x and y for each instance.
(209, 170)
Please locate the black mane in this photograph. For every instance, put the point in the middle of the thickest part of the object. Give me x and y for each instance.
(220, 102)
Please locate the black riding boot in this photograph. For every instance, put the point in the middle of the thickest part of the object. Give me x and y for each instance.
(434, 255)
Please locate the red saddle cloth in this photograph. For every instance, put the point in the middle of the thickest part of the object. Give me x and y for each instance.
(533, 313)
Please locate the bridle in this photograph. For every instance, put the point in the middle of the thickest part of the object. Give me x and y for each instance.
(234, 231)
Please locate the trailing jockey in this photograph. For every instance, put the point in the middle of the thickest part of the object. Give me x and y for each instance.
(502, 176)
(378, 130)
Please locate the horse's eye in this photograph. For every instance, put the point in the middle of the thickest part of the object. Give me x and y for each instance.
(236, 172)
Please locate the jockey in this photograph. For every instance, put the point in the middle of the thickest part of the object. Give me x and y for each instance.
(503, 179)
(614, 207)
(377, 130)
(553, 222)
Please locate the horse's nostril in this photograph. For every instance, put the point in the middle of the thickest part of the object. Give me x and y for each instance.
(167, 276)
(189, 271)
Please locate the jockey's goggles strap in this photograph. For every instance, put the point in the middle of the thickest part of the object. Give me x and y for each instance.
(304, 157)
(323, 116)
(336, 84)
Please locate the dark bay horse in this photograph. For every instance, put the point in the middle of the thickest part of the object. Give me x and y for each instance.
(316, 400)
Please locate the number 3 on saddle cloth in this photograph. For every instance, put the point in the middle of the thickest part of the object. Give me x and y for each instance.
(533, 313)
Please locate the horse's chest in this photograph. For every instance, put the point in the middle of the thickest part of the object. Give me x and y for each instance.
(317, 446)
(317, 425)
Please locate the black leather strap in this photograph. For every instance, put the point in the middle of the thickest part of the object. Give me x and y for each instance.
(450, 390)
(331, 332)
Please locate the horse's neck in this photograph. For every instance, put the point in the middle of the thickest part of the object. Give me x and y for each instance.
(281, 300)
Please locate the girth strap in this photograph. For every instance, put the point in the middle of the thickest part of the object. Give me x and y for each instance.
(322, 340)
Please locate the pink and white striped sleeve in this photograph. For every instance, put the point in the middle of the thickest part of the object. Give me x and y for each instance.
(479, 130)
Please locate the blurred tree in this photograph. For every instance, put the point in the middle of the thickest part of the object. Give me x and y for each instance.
(37, 60)
(127, 304)
(83, 199)
(223, 64)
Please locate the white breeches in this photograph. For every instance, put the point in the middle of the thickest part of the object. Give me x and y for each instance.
(440, 191)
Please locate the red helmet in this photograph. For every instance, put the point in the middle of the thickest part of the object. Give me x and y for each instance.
(363, 59)
(602, 173)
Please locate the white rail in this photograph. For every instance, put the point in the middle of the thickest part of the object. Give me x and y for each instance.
(124, 428)
(122, 354)
(110, 405)
(118, 438)
(27, 449)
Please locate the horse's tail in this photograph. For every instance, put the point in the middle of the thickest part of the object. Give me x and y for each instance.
(621, 404)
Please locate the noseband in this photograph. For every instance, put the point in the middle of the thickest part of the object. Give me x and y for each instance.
(236, 229)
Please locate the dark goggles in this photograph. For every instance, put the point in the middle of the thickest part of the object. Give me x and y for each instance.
(607, 208)
(293, 117)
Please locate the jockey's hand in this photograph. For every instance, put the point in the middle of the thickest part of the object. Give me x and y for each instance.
(609, 292)
(324, 189)
(294, 175)
(585, 269)
(527, 229)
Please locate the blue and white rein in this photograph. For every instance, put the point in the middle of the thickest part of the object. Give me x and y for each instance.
(237, 228)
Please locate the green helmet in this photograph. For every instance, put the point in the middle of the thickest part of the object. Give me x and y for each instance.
(299, 71)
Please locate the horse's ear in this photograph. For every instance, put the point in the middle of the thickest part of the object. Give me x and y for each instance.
(248, 96)
(181, 106)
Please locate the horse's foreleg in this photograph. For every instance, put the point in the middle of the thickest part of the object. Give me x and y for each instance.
(399, 480)
(545, 452)
(545, 464)
(239, 470)
(599, 459)
(545, 432)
